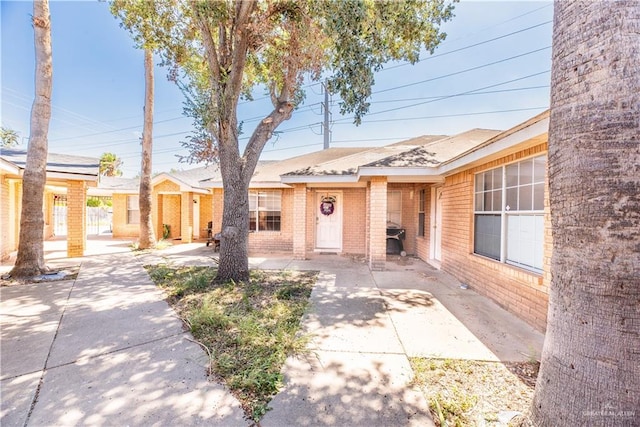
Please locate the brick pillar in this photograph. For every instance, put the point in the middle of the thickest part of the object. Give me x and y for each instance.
(299, 221)
(186, 222)
(76, 218)
(377, 223)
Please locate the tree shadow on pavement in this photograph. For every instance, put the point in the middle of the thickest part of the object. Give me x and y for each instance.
(357, 389)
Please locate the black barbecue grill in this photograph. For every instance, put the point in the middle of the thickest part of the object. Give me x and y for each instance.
(395, 235)
(213, 238)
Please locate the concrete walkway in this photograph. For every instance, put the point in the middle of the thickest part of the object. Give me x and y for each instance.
(107, 350)
(103, 350)
(365, 325)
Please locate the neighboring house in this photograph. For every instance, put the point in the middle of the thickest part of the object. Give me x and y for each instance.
(68, 178)
(474, 204)
(180, 207)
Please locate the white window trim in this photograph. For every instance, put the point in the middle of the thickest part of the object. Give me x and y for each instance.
(136, 208)
(504, 214)
(255, 193)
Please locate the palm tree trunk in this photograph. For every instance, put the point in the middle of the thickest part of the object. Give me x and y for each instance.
(589, 373)
(147, 236)
(30, 260)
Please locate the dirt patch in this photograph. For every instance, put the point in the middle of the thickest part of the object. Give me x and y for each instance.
(55, 275)
(470, 393)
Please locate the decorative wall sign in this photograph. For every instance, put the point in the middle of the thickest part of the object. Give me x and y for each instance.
(327, 205)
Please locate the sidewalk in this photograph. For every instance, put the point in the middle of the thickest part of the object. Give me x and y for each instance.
(104, 349)
(107, 350)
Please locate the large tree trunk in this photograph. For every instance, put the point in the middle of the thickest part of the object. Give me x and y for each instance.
(30, 261)
(591, 359)
(147, 236)
(234, 254)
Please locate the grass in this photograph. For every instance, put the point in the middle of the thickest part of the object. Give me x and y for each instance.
(160, 244)
(249, 329)
(469, 393)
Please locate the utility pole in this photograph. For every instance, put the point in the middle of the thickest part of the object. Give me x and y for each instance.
(325, 127)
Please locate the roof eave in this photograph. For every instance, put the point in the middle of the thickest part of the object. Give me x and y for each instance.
(9, 167)
(71, 176)
(301, 179)
(499, 146)
(252, 184)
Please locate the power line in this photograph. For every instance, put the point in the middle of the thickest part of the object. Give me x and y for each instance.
(468, 94)
(462, 71)
(441, 116)
(115, 130)
(438, 55)
(449, 96)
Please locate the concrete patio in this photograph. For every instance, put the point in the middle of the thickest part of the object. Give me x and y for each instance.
(106, 348)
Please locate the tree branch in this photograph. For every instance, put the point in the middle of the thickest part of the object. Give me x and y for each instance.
(211, 51)
(240, 40)
(263, 133)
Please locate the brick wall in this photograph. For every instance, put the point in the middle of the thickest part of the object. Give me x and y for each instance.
(120, 227)
(217, 201)
(300, 223)
(312, 213)
(76, 218)
(409, 198)
(377, 223)
(10, 211)
(166, 186)
(206, 214)
(520, 291)
(354, 224)
(186, 217)
(171, 214)
(7, 221)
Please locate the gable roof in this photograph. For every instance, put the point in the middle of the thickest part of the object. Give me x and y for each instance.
(187, 180)
(267, 173)
(414, 160)
(529, 133)
(107, 185)
(65, 166)
(436, 152)
(428, 158)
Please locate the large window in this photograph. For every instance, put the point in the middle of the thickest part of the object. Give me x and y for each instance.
(509, 213)
(394, 207)
(264, 210)
(133, 210)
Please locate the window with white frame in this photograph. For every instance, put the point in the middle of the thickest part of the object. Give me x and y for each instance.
(133, 210)
(421, 206)
(394, 207)
(265, 210)
(509, 213)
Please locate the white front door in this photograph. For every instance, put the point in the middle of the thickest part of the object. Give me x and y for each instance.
(328, 220)
(436, 221)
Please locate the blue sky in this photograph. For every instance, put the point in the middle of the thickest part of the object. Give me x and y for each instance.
(491, 72)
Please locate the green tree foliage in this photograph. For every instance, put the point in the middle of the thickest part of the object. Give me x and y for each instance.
(8, 137)
(110, 165)
(220, 51)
